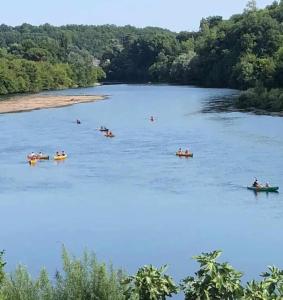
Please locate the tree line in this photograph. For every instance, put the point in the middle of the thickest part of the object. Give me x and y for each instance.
(244, 52)
(87, 279)
(32, 62)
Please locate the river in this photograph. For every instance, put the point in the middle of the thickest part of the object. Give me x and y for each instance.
(130, 199)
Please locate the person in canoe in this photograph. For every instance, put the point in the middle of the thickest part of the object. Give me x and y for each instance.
(256, 184)
(103, 128)
(179, 152)
(78, 121)
(57, 153)
(152, 119)
(63, 153)
(32, 155)
(187, 152)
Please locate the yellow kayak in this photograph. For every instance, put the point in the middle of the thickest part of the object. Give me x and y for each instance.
(32, 161)
(60, 157)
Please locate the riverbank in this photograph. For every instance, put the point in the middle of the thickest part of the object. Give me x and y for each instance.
(38, 101)
(261, 100)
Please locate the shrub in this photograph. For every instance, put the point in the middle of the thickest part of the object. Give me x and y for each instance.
(213, 281)
(81, 279)
(150, 283)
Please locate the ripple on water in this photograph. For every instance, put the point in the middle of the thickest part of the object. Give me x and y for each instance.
(111, 192)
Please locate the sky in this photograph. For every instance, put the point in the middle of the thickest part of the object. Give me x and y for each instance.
(176, 15)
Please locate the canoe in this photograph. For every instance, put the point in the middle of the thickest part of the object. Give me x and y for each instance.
(38, 157)
(185, 154)
(264, 188)
(43, 157)
(60, 157)
(103, 130)
(110, 136)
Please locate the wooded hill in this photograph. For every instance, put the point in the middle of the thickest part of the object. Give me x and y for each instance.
(243, 52)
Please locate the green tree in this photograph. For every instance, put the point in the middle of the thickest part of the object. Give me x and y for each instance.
(213, 281)
(245, 71)
(150, 283)
(181, 67)
(2, 265)
(271, 287)
(159, 71)
(251, 6)
(80, 279)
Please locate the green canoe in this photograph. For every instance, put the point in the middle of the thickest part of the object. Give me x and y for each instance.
(264, 188)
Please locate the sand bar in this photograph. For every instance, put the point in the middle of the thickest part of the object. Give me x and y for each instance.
(38, 101)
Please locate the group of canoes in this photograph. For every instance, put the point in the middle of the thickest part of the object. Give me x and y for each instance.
(256, 186)
(33, 157)
(107, 132)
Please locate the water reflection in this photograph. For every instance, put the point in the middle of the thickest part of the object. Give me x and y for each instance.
(219, 104)
(266, 194)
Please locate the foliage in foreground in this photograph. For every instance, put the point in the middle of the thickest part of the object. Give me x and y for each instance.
(87, 279)
(213, 280)
(221, 281)
(80, 279)
(2, 264)
(150, 283)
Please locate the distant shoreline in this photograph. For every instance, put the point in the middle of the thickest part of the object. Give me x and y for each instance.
(38, 101)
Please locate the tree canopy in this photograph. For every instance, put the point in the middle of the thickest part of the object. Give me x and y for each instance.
(245, 51)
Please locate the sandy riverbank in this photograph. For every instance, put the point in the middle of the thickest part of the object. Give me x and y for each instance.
(32, 102)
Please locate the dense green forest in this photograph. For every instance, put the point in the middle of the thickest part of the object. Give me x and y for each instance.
(41, 58)
(87, 279)
(244, 52)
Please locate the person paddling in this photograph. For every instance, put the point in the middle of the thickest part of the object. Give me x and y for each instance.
(32, 155)
(255, 184)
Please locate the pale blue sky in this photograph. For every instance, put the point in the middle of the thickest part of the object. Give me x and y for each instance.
(175, 15)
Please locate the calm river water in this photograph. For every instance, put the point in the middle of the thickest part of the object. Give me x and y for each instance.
(130, 199)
